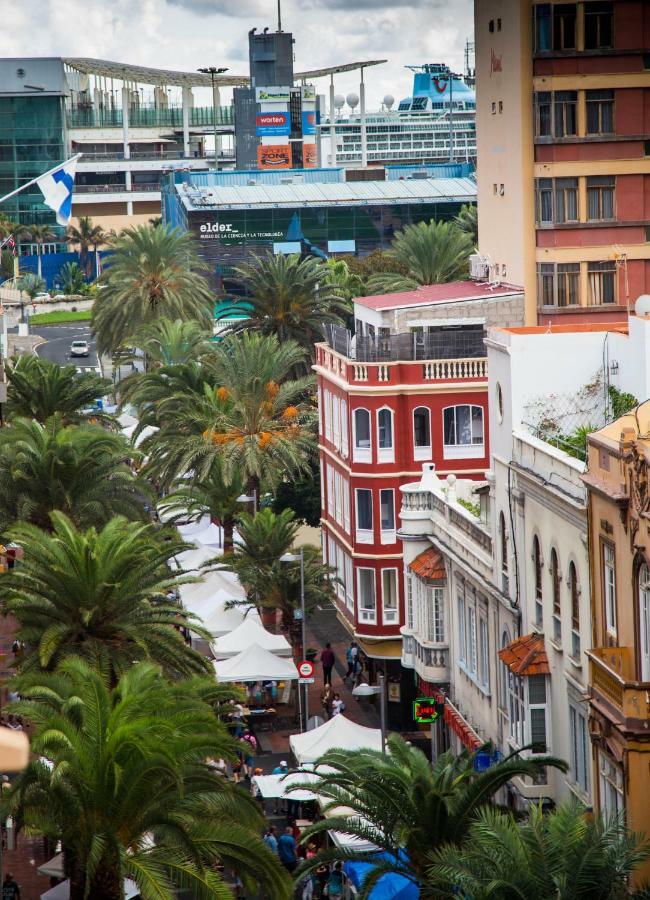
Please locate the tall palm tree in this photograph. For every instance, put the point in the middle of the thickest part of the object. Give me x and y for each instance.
(467, 221)
(38, 389)
(337, 274)
(290, 298)
(405, 806)
(433, 253)
(86, 235)
(101, 595)
(71, 278)
(172, 342)
(120, 776)
(212, 496)
(258, 421)
(78, 469)
(562, 855)
(39, 235)
(152, 272)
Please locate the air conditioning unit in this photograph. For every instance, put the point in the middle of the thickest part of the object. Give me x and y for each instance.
(479, 267)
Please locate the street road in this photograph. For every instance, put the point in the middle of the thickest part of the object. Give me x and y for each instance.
(57, 344)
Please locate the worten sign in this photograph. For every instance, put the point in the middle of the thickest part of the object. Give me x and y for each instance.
(268, 124)
(226, 231)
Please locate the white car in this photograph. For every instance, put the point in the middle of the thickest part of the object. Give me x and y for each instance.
(79, 348)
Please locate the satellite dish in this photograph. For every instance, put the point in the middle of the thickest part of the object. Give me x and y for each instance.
(352, 100)
(388, 101)
(339, 101)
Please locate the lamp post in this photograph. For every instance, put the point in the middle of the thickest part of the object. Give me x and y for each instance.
(212, 71)
(367, 690)
(300, 557)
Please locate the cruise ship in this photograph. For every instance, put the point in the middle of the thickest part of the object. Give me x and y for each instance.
(418, 132)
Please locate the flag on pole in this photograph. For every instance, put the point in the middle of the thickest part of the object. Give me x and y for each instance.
(56, 187)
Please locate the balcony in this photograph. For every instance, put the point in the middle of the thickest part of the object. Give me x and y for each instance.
(117, 188)
(457, 345)
(149, 117)
(430, 661)
(419, 504)
(614, 689)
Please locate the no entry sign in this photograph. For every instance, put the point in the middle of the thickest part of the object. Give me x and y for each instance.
(306, 672)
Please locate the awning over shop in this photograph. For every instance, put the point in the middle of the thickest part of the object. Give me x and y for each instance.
(256, 664)
(526, 656)
(391, 649)
(339, 732)
(429, 565)
(461, 727)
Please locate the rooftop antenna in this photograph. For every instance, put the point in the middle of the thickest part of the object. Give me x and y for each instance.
(279, 15)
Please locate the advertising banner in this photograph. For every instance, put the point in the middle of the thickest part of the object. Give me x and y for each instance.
(308, 92)
(272, 124)
(309, 156)
(272, 94)
(309, 123)
(274, 156)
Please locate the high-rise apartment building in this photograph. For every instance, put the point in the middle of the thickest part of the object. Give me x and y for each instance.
(563, 118)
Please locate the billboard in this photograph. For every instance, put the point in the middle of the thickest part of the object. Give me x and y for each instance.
(273, 124)
(308, 92)
(272, 94)
(309, 156)
(309, 122)
(274, 156)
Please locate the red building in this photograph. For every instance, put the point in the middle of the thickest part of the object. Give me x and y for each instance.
(409, 387)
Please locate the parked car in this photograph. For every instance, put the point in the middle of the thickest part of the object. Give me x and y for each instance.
(79, 348)
(43, 297)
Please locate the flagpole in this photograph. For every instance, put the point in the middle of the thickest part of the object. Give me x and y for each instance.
(34, 180)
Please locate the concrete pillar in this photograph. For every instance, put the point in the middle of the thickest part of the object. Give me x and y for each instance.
(126, 100)
(332, 125)
(362, 109)
(187, 103)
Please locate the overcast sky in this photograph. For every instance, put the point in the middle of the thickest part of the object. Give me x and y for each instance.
(184, 34)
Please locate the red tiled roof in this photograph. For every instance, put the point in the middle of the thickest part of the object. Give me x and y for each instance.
(526, 655)
(429, 565)
(440, 293)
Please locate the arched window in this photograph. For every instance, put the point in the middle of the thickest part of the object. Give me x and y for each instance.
(422, 432)
(644, 621)
(537, 573)
(505, 671)
(503, 543)
(574, 593)
(385, 435)
(556, 586)
(362, 443)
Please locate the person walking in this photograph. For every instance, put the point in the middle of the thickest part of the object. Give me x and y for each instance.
(10, 890)
(335, 882)
(326, 698)
(337, 705)
(271, 839)
(327, 659)
(250, 747)
(287, 849)
(351, 656)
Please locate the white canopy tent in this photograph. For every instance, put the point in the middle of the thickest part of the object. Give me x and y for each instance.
(256, 664)
(187, 531)
(251, 631)
(276, 787)
(210, 534)
(146, 432)
(126, 421)
(219, 580)
(62, 891)
(339, 732)
(220, 621)
(191, 560)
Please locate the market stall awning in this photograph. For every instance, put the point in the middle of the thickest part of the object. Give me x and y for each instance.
(389, 887)
(210, 584)
(276, 787)
(251, 631)
(256, 664)
(62, 891)
(338, 733)
(526, 656)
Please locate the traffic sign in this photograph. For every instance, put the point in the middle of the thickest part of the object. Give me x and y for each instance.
(306, 669)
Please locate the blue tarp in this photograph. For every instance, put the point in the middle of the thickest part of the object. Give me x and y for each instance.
(389, 887)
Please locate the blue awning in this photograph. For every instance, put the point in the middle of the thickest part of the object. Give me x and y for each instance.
(390, 886)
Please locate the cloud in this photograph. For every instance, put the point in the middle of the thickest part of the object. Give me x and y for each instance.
(353, 6)
(223, 7)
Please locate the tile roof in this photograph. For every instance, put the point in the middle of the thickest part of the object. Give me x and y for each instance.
(526, 656)
(429, 565)
(439, 293)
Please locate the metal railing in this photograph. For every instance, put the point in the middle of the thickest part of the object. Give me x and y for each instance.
(148, 117)
(116, 188)
(409, 347)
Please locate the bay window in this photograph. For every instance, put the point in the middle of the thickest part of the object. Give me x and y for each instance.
(385, 435)
(387, 515)
(422, 433)
(364, 515)
(463, 431)
(609, 587)
(580, 747)
(390, 611)
(367, 601)
(362, 442)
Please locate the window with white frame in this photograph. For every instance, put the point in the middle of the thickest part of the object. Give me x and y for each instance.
(409, 602)
(471, 639)
(556, 590)
(366, 598)
(323, 545)
(345, 447)
(331, 553)
(505, 672)
(538, 569)
(319, 394)
(364, 515)
(323, 476)
(435, 615)
(574, 595)
(463, 431)
(389, 598)
(462, 637)
(609, 586)
(421, 433)
(330, 490)
(385, 448)
(328, 414)
(336, 422)
(516, 708)
(537, 712)
(340, 571)
(643, 584)
(612, 797)
(387, 510)
(362, 442)
(346, 505)
(483, 656)
(349, 584)
(579, 747)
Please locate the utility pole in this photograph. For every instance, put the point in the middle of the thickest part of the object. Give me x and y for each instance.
(213, 71)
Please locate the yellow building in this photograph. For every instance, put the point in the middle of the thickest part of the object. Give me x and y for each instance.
(563, 161)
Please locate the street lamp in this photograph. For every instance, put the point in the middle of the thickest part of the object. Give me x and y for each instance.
(212, 71)
(249, 498)
(367, 690)
(293, 558)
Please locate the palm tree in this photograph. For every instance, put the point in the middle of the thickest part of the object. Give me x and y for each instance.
(78, 469)
(153, 272)
(290, 298)
(71, 278)
(211, 496)
(258, 422)
(433, 252)
(120, 776)
(86, 235)
(31, 285)
(38, 389)
(467, 221)
(167, 342)
(101, 595)
(39, 235)
(405, 806)
(562, 855)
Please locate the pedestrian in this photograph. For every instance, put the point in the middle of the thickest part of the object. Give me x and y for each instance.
(250, 746)
(10, 890)
(334, 885)
(351, 656)
(326, 698)
(327, 659)
(287, 849)
(321, 875)
(271, 839)
(238, 719)
(282, 769)
(337, 705)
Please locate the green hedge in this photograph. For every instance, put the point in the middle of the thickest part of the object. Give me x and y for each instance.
(60, 317)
